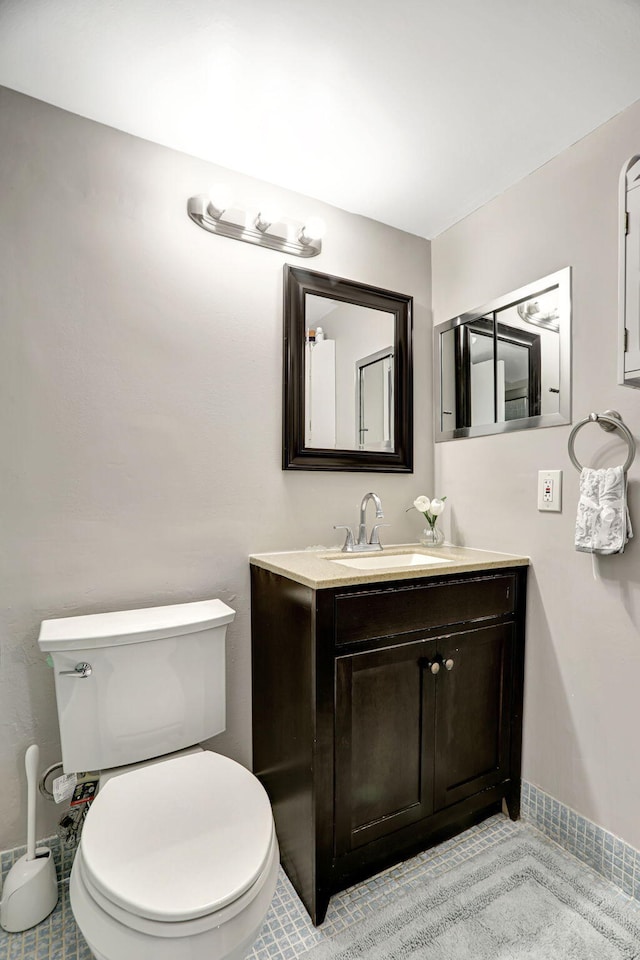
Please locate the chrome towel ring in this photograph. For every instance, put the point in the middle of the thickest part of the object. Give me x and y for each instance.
(609, 420)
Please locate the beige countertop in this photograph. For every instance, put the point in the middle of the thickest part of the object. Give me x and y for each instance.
(316, 567)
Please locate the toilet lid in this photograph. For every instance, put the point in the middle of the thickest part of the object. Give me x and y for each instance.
(178, 839)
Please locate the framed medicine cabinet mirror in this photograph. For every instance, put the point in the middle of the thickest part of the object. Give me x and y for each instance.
(348, 399)
(507, 365)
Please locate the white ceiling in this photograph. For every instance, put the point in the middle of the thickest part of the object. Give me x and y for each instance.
(412, 112)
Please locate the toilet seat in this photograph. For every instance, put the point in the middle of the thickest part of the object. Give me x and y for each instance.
(183, 928)
(177, 842)
(112, 934)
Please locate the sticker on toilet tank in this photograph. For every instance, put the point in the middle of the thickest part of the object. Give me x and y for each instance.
(64, 786)
(85, 790)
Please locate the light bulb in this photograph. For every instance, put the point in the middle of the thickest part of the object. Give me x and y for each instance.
(220, 199)
(314, 228)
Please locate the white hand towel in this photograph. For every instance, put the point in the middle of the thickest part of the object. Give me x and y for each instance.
(603, 524)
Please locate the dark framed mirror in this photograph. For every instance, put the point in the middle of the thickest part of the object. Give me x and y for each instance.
(507, 365)
(347, 379)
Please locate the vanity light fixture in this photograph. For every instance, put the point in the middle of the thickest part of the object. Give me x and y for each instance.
(208, 211)
(531, 312)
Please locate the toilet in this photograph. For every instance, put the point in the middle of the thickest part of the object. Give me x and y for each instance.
(178, 858)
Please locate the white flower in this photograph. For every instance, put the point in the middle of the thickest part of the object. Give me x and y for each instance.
(437, 506)
(422, 504)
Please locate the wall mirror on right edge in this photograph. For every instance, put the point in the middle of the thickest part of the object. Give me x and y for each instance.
(507, 365)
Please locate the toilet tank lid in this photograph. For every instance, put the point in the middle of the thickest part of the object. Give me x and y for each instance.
(132, 626)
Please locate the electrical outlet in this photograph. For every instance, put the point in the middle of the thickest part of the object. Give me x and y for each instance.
(550, 490)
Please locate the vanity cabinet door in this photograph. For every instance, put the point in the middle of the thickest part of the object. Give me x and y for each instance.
(384, 738)
(472, 713)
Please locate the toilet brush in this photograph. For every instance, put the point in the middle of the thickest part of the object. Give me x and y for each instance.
(30, 891)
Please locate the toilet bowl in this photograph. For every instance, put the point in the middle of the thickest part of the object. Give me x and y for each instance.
(177, 860)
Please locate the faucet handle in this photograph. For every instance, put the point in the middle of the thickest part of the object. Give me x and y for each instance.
(375, 536)
(348, 543)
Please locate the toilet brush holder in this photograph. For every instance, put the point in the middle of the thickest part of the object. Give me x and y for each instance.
(30, 891)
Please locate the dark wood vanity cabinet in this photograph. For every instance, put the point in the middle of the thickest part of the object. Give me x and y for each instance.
(386, 716)
(408, 742)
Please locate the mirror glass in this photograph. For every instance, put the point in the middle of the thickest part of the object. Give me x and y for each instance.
(347, 375)
(506, 366)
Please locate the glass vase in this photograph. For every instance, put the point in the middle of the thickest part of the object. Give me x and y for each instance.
(432, 536)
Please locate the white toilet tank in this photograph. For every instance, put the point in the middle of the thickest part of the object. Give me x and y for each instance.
(156, 682)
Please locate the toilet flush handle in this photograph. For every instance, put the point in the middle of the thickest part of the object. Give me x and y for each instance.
(80, 670)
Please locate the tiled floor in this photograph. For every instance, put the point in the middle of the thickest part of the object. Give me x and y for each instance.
(288, 931)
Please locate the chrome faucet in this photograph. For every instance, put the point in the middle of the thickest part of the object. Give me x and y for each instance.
(362, 544)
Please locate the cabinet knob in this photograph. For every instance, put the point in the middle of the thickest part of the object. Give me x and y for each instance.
(435, 665)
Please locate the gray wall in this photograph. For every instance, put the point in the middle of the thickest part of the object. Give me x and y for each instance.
(583, 662)
(141, 403)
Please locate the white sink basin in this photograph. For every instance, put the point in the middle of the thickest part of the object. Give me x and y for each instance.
(390, 561)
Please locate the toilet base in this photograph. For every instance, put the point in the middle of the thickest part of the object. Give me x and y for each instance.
(239, 953)
(230, 936)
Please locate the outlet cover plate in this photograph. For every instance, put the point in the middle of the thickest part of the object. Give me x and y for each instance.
(550, 491)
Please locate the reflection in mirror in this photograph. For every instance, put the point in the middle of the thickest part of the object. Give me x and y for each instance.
(337, 335)
(374, 400)
(347, 375)
(506, 366)
(482, 373)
